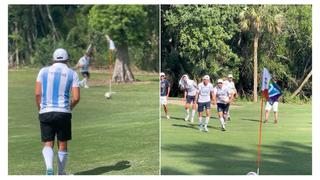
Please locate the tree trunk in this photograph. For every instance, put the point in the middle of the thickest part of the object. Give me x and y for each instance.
(302, 84)
(16, 31)
(122, 72)
(255, 66)
(54, 30)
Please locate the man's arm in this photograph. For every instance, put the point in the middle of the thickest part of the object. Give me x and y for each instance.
(38, 94)
(185, 95)
(213, 97)
(75, 97)
(168, 91)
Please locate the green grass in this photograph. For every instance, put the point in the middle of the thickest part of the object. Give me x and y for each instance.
(286, 147)
(118, 136)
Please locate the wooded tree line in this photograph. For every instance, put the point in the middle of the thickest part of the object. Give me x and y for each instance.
(239, 39)
(36, 30)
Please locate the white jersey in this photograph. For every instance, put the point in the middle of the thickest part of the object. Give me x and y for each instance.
(56, 81)
(222, 94)
(229, 84)
(191, 88)
(84, 61)
(204, 92)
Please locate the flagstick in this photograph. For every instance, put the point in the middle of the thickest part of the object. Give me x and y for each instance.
(259, 144)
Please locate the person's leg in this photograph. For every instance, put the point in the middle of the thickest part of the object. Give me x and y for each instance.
(200, 110)
(62, 156)
(225, 112)
(165, 107)
(207, 117)
(266, 116)
(194, 106)
(220, 116)
(275, 112)
(187, 105)
(48, 156)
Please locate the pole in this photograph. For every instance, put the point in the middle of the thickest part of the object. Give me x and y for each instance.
(260, 137)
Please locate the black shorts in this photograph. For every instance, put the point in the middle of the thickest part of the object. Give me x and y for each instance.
(55, 123)
(203, 105)
(223, 107)
(86, 74)
(190, 99)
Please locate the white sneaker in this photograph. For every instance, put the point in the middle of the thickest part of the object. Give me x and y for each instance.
(86, 86)
(223, 128)
(205, 128)
(200, 127)
(168, 117)
(187, 117)
(192, 120)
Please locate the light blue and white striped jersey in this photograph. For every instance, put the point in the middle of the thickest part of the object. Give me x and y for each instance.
(84, 61)
(56, 81)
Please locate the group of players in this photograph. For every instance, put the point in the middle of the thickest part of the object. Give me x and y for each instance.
(202, 96)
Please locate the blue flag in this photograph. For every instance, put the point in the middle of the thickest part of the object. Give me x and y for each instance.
(274, 92)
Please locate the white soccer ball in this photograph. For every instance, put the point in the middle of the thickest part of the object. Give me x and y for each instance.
(252, 173)
(107, 95)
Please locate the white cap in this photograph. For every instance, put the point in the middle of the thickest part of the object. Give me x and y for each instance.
(230, 76)
(220, 81)
(206, 77)
(162, 74)
(60, 55)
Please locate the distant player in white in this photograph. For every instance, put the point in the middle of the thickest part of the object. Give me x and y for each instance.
(53, 87)
(83, 64)
(204, 97)
(190, 91)
(223, 97)
(230, 84)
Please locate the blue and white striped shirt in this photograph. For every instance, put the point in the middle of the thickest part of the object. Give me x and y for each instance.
(56, 81)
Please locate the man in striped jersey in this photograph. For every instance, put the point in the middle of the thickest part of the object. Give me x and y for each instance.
(53, 87)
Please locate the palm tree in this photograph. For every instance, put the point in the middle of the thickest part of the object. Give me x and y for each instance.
(258, 20)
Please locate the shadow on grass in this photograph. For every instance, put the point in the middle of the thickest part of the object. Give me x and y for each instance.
(287, 158)
(121, 165)
(253, 120)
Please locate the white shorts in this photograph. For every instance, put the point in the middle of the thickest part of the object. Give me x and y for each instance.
(163, 100)
(274, 106)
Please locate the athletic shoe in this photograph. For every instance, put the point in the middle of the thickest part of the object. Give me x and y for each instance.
(86, 86)
(206, 128)
(187, 117)
(168, 117)
(191, 120)
(200, 127)
(223, 128)
(49, 172)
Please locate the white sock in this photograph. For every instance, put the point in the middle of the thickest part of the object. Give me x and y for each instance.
(200, 120)
(222, 121)
(207, 121)
(48, 154)
(85, 81)
(62, 159)
(193, 113)
(187, 111)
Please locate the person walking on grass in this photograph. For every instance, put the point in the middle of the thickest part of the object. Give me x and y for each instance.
(229, 83)
(83, 64)
(203, 98)
(190, 91)
(164, 93)
(223, 97)
(53, 87)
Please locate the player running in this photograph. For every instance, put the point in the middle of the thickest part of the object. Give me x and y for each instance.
(230, 84)
(190, 91)
(164, 93)
(83, 64)
(203, 98)
(52, 92)
(223, 97)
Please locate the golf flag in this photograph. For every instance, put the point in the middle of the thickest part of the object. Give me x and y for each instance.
(265, 83)
(274, 92)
